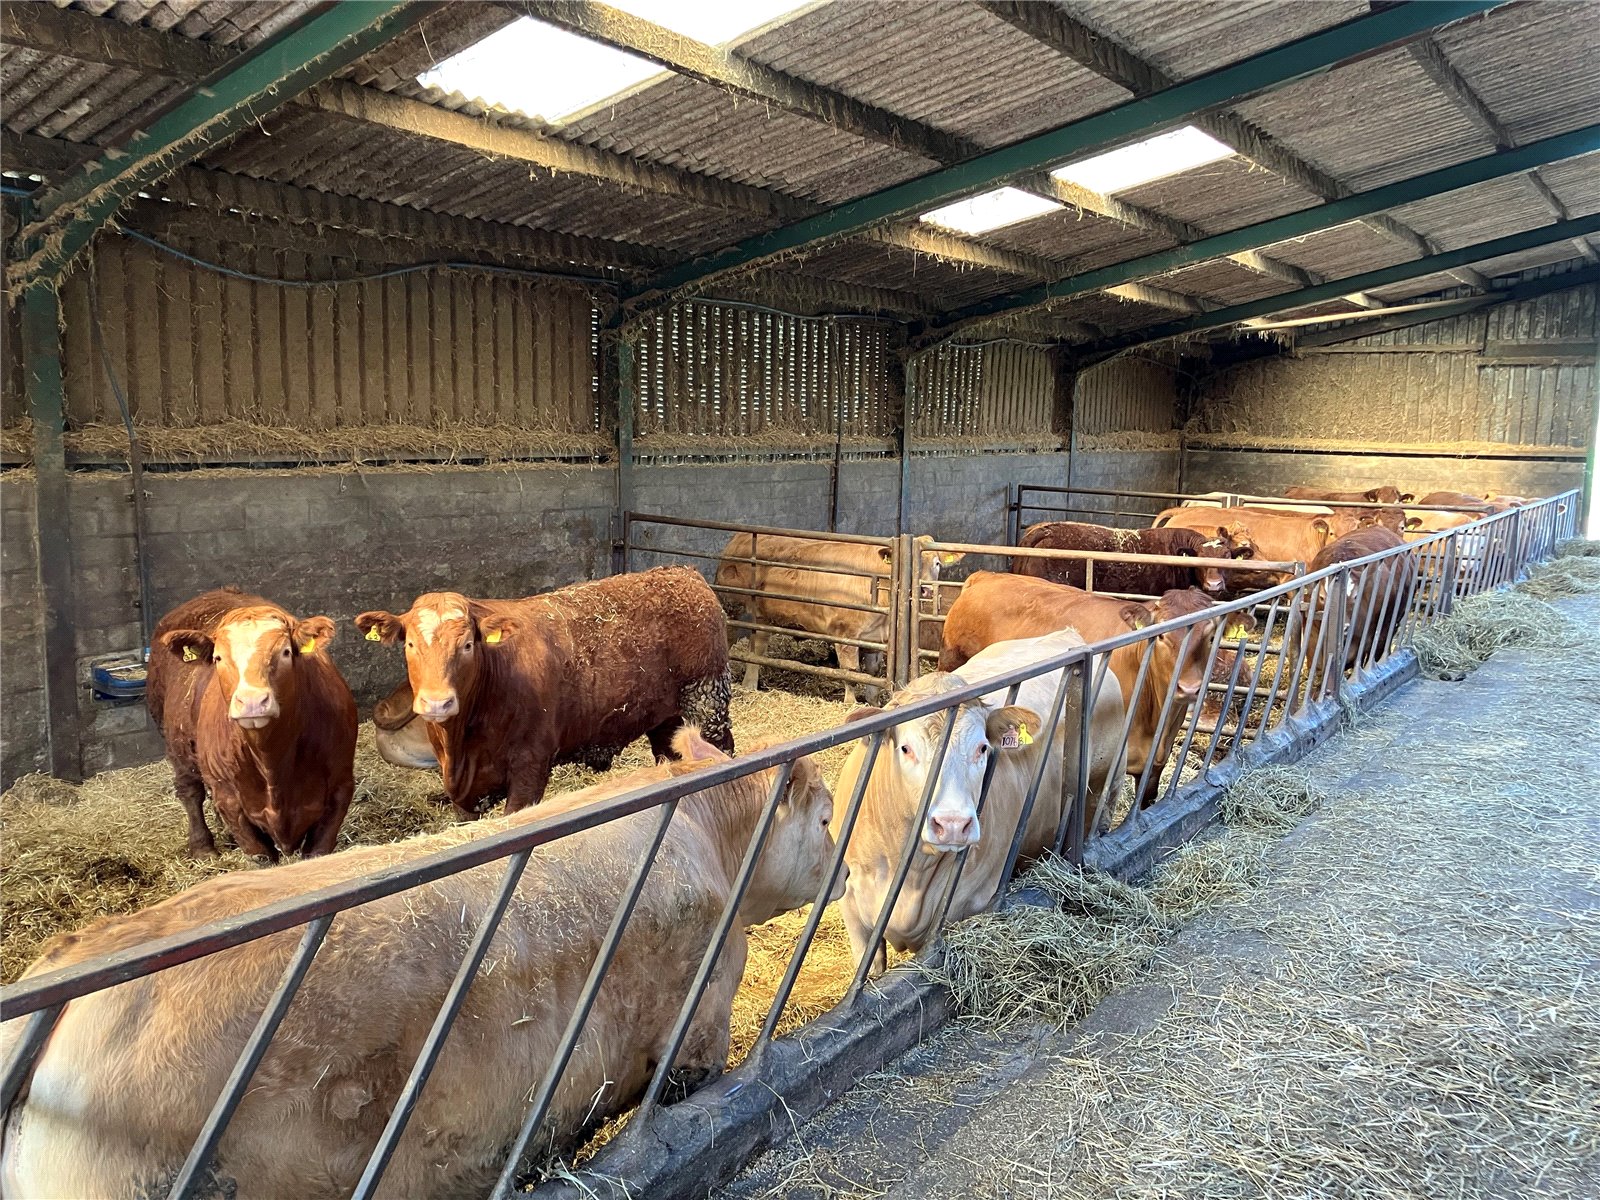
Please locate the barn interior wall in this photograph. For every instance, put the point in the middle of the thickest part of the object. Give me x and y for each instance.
(202, 358)
(1501, 399)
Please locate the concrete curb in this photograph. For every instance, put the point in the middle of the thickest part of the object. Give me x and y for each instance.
(687, 1150)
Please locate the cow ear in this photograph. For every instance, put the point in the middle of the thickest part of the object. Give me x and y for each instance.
(498, 628)
(311, 633)
(381, 626)
(692, 748)
(1372, 495)
(191, 645)
(862, 713)
(1012, 727)
(1138, 615)
(886, 554)
(1406, 497)
(1321, 526)
(1413, 522)
(1239, 627)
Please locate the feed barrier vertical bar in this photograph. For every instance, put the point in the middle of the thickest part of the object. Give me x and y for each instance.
(1069, 830)
(1447, 577)
(190, 1175)
(983, 798)
(1215, 741)
(1306, 651)
(1047, 740)
(367, 1186)
(869, 953)
(1194, 717)
(506, 1185)
(1130, 713)
(1343, 625)
(1394, 599)
(1165, 715)
(719, 936)
(20, 1065)
(1242, 727)
(841, 841)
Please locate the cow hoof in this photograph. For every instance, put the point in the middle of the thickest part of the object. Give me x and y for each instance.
(205, 849)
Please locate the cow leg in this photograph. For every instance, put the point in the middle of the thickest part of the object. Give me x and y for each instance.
(252, 841)
(752, 671)
(704, 1054)
(191, 791)
(849, 660)
(529, 779)
(704, 702)
(323, 837)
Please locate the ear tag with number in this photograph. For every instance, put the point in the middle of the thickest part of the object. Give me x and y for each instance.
(373, 635)
(492, 637)
(310, 647)
(189, 655)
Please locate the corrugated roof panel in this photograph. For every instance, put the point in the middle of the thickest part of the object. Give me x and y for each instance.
(1343, 250)
(1078, 240)
(686, 124)
(1537, 66)
(1224, 281)
(1370, 123)
(1476, 214)
(229, 24)
(1576, 182)
(946, 284)
(953, 66)
(1110, 313)
(1221, 195)
(1191, 38)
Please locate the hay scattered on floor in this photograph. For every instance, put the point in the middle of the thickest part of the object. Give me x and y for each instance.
(115, 843)
(1572, 575)
(1051, 965)
(1490, 621)
(1578, 548)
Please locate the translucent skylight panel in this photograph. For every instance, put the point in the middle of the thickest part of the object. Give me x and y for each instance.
(1166, 154)
(546, 72)
(992, 210)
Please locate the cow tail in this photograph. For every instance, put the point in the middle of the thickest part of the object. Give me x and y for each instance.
(704, 702)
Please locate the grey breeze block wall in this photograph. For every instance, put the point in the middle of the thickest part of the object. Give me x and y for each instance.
(341, 542)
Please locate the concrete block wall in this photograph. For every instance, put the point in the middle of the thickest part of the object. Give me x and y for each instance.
(342, 542)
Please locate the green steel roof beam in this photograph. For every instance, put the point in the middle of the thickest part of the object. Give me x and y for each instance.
(1219, 318)
(1265, 72)
(1292, 225)
(259, 82)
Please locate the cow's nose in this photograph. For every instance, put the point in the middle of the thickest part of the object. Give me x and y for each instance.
(954, 831)
(252, 703)
(435, 706)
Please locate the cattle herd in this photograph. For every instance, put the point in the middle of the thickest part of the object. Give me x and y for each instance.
(255, 714)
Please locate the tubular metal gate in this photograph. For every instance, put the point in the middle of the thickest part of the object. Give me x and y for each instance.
(820, 586)
(1355, 613)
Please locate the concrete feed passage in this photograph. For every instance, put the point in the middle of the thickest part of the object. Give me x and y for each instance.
(1406, 1005)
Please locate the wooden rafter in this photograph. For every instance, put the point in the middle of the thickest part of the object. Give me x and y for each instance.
(1052, 27)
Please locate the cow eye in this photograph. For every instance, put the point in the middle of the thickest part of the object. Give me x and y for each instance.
(466, 647)
(983, 749)
(905, 749)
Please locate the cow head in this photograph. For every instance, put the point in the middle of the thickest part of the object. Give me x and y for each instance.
(980, 731)
(253, 652)
(1392, 519)
(1179, 652)
(447, 638)
(799, 845)
(1230, 541)
(929, 565)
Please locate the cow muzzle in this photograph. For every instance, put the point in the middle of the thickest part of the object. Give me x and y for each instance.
(253, 707)
(948, 833)
(436, 706)
(838, 884)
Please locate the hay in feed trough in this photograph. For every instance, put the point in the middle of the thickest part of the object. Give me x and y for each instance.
(1491, 621)
(1569, 575)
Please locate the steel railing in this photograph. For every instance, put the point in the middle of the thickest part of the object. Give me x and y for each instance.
(1349, 618)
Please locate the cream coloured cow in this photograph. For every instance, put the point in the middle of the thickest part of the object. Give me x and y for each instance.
(805, 574)
(984, 728)
(120, 1091)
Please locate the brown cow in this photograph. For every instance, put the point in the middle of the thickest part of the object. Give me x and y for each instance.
(809, 577)
(996, 607)
(124, 1084)
(1261, 534)
(1373, 495)
(1375, 603)
(401, 737)
(253, 709)
(1143, 579)
(509, 688)
(985, 728)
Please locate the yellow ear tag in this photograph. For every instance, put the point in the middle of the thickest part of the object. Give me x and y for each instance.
(949, 559)
(373, 635)
(492, 637)
(1023, 736)
(189, 655)
(310, 647)
(1235, 632)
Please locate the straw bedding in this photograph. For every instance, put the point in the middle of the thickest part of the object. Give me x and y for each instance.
(115, 843)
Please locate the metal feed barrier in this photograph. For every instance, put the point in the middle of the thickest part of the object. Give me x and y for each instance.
(1323, 610)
